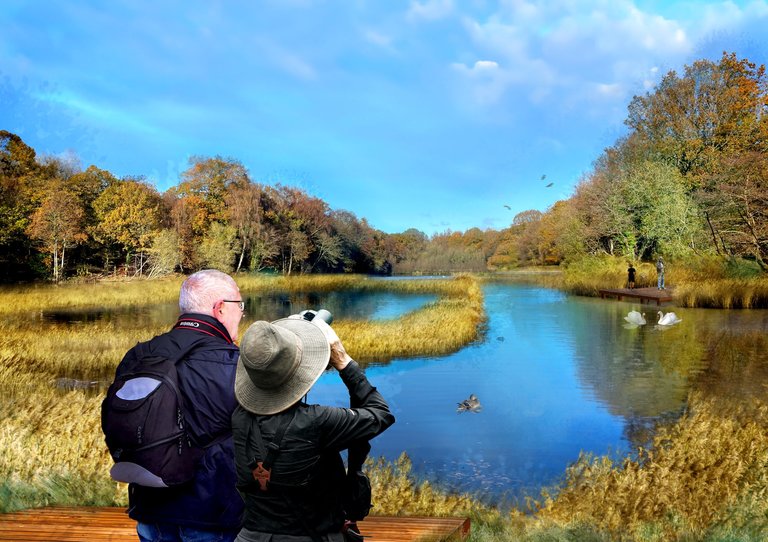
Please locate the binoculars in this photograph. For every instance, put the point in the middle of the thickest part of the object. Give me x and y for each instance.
(322, 314)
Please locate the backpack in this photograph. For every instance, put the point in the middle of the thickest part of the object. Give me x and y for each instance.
(142, 419)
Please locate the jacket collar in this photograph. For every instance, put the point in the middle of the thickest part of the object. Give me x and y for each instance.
(204, 324)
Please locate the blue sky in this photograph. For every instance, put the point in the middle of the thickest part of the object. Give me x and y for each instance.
(432, 114)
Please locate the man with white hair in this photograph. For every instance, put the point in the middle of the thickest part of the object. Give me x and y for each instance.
(208, 507)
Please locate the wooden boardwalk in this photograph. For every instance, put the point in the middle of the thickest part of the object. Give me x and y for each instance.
(643, 294)
(113, 525)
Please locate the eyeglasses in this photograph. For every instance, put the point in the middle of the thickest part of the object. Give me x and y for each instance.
(240, 303)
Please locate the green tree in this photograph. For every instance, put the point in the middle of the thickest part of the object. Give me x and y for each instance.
(164, 256)
(218, 247)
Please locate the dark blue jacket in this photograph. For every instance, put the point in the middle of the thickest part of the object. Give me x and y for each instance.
(207, 382)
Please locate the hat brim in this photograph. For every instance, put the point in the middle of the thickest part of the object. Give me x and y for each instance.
(315, 354)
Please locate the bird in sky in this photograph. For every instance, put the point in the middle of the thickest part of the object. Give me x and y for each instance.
(550, 184)
(543, 177)
(507, 206)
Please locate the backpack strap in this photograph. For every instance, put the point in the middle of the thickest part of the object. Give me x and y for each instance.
(262, 470)
(143, 350)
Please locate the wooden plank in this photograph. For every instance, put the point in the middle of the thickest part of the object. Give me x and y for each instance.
(643, 294)
(109, 524)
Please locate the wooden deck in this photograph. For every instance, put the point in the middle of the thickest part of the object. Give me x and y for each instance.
(114, 525)
(643, 294)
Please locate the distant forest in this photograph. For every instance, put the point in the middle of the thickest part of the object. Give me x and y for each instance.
(689, 178)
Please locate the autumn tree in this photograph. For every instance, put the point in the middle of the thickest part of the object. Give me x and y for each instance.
(712, 110)
(244, 213)
(58, 225)
(164, 256)
(737, 203)
(130, 214)
(17, 170)
(201, 199)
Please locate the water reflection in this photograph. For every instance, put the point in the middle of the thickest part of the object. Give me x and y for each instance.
(556, 375)
(264, 306)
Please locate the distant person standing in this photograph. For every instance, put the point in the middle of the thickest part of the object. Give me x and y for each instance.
(631, 277)
(660, 273)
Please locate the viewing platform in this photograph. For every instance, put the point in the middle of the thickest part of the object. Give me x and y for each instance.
(86, 524)
(643, 294)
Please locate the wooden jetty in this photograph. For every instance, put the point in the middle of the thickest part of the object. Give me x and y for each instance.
(93, 524)
(643, 294)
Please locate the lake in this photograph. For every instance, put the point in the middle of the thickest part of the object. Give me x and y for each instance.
(556, 375)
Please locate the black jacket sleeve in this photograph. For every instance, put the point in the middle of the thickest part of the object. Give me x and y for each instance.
(370, 417)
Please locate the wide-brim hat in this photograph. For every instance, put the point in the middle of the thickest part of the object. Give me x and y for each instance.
(279, 362)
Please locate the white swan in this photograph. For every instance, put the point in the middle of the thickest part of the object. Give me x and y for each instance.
(668, 319)
(635, 318)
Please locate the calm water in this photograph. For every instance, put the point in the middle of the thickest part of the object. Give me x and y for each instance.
(369, 306)
(556, 375)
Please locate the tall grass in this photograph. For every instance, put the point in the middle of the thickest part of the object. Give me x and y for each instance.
(703, 478)
(138, 292)
(51, 442)
(704, 474)
(701, 282)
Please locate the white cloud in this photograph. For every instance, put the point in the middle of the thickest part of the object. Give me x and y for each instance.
(286, 61)
(581, 51)
(485, 65)
(429, 10)
(377, 38)
(613, 90)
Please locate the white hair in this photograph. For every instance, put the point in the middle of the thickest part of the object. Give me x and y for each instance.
(201, 290)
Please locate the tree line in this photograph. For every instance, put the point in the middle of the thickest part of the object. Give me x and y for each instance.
(57, 220)
(689, 178)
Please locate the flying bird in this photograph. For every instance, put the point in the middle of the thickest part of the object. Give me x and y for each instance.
(550, 184)
(508, 207)
(543, 177)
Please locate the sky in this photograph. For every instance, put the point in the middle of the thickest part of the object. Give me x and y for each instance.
(440, 115)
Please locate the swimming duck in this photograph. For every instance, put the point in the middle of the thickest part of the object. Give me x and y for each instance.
(472, 404)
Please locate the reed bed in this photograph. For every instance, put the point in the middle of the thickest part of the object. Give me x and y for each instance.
(105, 294)
(138, 292)
(439, 328)
(694, 283)
(703, 475)
(53, 450)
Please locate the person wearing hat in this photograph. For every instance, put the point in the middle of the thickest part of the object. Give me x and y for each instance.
(299, 497)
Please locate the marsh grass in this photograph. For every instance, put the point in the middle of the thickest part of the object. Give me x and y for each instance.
(703, 282)
(703, 479)
(703, 475)
(52, 447)
(139, 292)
